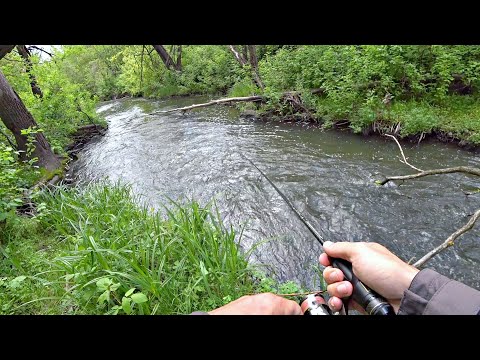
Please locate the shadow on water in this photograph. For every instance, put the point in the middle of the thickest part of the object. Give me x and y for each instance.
(329, 176)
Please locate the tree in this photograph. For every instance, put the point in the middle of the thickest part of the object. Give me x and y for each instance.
(5, 49)
(25, 54)
(16, 118)
(247, 55)
(176, 51)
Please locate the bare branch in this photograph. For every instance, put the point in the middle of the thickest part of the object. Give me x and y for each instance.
(403, 155)
(254, 98)
(210, 103)
(237, 55)
(40, 49)
(450, 240)
(457, 169)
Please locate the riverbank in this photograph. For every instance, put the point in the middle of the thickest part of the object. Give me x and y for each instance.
(456, 121)
(95, 250)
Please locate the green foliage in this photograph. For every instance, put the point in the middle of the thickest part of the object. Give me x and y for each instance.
(95, 67)
(65, 105)
(109, 71)
(10, 186)
(15, 176)
(244, 87)
(358, 80)
(105, 255)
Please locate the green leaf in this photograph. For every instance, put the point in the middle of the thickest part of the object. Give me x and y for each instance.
(115, 309)
(104, 283)
(104, 297)
(17, 281)
(114, 286)
(129, 292)
(203, 270)
(139, 298)
(126, 305)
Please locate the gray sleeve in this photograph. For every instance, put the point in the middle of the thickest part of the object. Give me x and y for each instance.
(199, 313)
(433, 294)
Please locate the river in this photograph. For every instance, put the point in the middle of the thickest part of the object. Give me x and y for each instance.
(328, 175)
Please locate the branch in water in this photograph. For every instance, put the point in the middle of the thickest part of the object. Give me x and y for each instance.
(254, 98)
(210, 103)
(457, 169)
(403, 155)
(450, 240)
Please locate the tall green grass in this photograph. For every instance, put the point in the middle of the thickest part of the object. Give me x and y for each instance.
(104, 254)
(184, 262)
(94, 250)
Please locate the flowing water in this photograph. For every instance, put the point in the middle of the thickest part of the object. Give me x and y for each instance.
(328, 175)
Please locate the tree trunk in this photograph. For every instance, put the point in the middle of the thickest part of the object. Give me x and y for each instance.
(249, 55)
(25, 54)
(167, 59)
(179, 58)
(5, 49)
(16, 117)
(252, 50)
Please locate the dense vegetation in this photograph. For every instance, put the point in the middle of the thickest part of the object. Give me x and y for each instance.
(422, 89)
(93, 250)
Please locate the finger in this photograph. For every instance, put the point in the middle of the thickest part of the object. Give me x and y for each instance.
(344, 250)
(335, 303)
(340, 289)
(332, 275)
(292, 308)
(324, 260)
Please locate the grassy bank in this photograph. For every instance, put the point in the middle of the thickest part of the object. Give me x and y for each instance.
(457, 119)
(94, 251)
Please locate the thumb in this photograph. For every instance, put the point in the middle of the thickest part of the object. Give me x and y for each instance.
(343, 250)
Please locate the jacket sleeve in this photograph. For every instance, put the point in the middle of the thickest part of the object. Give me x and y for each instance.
(433, 294)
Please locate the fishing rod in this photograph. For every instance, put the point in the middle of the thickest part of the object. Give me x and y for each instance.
(369, 300)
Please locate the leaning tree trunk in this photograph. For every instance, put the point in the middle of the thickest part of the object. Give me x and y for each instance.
(249, 55)
(167, 59)
(25, 54)
(16, 117)
(5, 49)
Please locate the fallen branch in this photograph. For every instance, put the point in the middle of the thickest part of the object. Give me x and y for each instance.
(469, 225)
(403, 155)
(450, 240)
(457, 169)
(254, 98)
(210, 103)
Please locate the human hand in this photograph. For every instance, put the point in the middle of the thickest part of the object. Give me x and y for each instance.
(373, 264)
(259, 304)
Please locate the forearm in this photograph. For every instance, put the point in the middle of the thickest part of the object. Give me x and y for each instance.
(433, 294)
